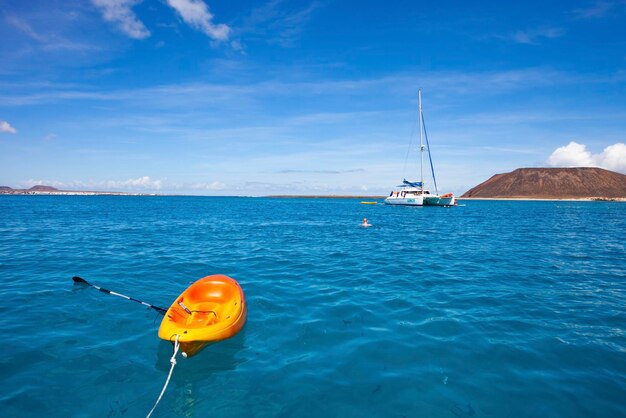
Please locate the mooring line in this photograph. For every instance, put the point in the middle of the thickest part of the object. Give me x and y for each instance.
(173, 361)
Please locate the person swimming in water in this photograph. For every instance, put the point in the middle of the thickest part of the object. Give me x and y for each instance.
(365, 223)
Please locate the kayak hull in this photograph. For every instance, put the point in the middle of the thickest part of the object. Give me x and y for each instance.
(210, 310)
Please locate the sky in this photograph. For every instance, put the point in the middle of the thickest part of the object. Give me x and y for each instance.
(216, 97)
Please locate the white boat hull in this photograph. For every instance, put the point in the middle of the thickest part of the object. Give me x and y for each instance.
(448, 201)
(405, 201)
(435, 200)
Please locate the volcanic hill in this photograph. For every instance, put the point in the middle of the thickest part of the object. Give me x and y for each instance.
(40, 188)
(552, 183)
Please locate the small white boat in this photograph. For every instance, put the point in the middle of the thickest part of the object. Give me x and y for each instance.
(413, 193)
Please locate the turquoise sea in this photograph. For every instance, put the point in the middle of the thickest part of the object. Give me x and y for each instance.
(489, 309)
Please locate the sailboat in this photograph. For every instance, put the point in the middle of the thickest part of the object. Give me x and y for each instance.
(413, 193)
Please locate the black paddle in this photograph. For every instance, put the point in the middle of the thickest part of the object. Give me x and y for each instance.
(102, 289)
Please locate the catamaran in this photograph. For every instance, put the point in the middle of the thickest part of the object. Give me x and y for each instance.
(413, 193)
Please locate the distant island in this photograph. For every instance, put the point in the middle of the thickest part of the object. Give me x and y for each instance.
(49, 190)
(587, 183)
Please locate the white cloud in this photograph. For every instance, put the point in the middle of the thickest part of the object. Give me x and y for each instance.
(613, 157)
(50, 137)
(576, 155)
(120, 12)
(196, 14)
(6, 127)
(571, 155)
(144, 182)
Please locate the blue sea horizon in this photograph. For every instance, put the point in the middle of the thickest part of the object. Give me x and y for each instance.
(489, 309)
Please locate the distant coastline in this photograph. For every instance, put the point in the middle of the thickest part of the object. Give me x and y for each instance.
(332, 196)
(74, 193)
(52, 191)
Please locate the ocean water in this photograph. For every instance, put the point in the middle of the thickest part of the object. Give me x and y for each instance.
(489, 309)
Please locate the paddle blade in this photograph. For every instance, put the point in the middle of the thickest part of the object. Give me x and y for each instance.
(79, 280)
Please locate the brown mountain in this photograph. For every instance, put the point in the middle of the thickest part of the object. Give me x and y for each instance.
(40, 188)
(552, 183)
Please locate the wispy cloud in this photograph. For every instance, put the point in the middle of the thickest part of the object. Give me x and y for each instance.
(174, 95)
(574, 154)
(533, 36)
(121, 14)
(275, 24)
(48, 41)
(208, 186)
(25, 28)
(290, 26)
(599, 9)
(509, 150)
(53, 95)
(7, 128)
(197, 15)
(356, 170)
(194, 13)
(525, 117)
(332, 117)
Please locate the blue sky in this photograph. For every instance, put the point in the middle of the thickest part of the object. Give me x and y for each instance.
(256, 98)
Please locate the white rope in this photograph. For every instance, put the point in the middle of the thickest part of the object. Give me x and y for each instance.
(173, 361)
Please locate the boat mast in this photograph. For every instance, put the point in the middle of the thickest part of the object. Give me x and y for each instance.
(419, 95)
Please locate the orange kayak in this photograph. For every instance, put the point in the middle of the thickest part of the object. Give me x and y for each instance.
(210, 310)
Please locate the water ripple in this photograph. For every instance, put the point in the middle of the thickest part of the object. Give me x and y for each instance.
(489, 309)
